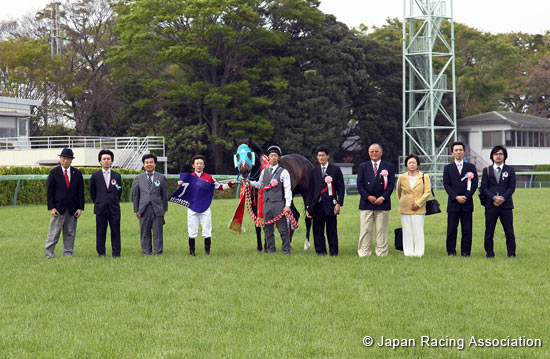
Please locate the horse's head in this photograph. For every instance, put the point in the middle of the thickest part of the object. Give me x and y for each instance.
(245, 160)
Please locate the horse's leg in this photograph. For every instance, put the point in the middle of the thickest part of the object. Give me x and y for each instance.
(259, 238)
(308, 226)
(258, 230)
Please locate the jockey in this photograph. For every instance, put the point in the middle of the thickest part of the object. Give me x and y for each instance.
(277, 198)
(204, 218)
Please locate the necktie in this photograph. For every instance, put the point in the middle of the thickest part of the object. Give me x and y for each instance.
(106, 175)
(497, 174)
(375, 169)
(459, 166)
(67, 179)
(324, 170)
(150, 181)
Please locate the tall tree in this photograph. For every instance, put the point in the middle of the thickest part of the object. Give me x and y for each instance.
(209, 63)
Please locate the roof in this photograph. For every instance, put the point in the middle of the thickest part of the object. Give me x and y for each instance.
(516, 120)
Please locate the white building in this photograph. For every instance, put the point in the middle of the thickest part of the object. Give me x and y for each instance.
(527, 138)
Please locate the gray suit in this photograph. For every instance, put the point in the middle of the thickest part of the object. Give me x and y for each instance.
(151, 205)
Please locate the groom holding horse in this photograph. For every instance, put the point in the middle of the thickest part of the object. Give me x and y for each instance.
(277, 199)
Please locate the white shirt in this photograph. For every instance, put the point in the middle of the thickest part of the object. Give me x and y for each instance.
(412, 180)
(152, 176)
(324, 169)
(285, 178)
(377, 165)
(459, 165)
(495, 167)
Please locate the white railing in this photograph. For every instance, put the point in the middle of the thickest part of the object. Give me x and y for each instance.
(129, 149)
(46, 142)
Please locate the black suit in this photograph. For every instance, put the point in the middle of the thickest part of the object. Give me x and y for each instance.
(456, 184)
(490, 188)
(107, 209)
(321, 206)
(62, 198)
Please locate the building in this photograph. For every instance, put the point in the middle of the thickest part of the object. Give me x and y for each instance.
(526, 137)
(15, 116)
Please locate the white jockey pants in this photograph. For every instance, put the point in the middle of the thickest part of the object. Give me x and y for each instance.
(193, 220)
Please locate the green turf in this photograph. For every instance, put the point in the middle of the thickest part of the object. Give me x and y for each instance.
(238, 303)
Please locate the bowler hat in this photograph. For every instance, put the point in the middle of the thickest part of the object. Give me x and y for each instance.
(275, 149)
(67, 152)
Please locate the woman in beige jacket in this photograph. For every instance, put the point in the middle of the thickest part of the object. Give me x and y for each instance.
(413, 189)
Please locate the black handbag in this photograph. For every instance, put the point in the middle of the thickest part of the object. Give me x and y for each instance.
(399, 239)
(432, 206)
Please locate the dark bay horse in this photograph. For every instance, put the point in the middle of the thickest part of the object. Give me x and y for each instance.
(297, 166)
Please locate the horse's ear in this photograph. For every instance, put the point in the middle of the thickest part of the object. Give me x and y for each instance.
(250, 142)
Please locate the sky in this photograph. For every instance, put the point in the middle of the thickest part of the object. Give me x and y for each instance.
(530, 16)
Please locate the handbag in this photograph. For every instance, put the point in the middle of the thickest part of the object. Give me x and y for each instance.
(482, 198)
(432, 206)
(399, 239)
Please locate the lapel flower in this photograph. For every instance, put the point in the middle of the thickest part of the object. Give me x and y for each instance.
(274, 182)
(469, 175)
(328, 179)
(504, 174)
(113, 182)
(157, 183)
(384, 173)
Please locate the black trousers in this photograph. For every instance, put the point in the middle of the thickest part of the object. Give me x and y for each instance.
(506, 216)
(320, 221)
(101, 221)
(465, 219)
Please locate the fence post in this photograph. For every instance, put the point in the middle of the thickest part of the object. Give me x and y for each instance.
(16, 192)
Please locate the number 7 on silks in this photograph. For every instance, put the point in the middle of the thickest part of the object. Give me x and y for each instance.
(193, 193)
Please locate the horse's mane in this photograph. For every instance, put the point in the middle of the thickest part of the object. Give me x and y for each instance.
(255, 147)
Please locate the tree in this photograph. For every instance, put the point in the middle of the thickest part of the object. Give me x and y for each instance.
(208, 63)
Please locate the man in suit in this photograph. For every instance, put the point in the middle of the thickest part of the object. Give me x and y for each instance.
(497, 186)
(460, 182)
(150, 204)
(375, 182)
(105, 191)
(325, 196)
(275, 180)
(65, 191)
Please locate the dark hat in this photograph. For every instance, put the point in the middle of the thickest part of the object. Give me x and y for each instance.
(275, 149)
(67, 152)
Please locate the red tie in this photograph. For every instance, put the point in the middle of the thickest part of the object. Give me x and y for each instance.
(67, 179)
(375, 169)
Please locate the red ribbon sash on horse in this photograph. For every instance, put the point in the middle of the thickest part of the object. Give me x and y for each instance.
(237, 221)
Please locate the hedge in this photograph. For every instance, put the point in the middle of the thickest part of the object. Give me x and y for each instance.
(34, 191)
(542, 178)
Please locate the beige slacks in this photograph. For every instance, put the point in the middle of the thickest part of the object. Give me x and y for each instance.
(380, 221)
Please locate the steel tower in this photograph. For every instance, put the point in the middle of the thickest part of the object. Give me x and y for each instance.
(429, 89)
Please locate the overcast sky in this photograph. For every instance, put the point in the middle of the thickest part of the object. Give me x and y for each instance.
(531, 16)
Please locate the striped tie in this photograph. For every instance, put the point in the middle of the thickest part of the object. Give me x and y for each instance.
(375, 169)
(150, 181)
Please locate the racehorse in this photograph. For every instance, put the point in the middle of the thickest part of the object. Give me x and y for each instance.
(248, 161)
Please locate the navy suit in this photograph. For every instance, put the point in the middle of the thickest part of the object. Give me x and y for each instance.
(374, 215)
(107, 209)
(321, 206)
(368, 185)
(505, 187)
(456, 184)
(62, 198)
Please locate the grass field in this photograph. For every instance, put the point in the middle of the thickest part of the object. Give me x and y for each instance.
(238, 303)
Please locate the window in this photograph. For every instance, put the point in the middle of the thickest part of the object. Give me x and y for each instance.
(492, 138)
(510, 138)
(22, 127)
(525, 136)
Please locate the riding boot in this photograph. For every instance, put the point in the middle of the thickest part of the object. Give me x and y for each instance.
(192, 246)
(207, 242)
